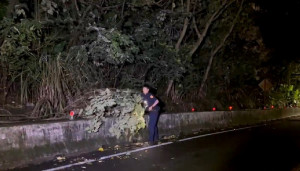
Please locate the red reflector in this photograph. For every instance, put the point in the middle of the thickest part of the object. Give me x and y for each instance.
(230, 107)
(214, 109)
(193, 109)
(72, 113)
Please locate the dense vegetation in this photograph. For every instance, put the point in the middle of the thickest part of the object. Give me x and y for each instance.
(196, 53)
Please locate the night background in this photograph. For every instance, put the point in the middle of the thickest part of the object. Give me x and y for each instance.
(92, 58)
(157, 47)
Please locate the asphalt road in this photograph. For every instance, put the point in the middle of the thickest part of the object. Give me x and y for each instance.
(270, 147)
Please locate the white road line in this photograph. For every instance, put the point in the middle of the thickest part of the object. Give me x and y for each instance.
(70, 165)
(133, 151)
(145, 148)
(216, 133)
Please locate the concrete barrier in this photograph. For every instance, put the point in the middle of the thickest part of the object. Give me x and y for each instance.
(31, 143)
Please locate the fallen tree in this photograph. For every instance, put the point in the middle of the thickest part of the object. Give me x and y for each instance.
(123, 105)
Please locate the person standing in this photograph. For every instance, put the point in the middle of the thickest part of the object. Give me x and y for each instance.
(151, 106)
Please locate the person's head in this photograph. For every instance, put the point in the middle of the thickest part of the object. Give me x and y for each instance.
(146, 89)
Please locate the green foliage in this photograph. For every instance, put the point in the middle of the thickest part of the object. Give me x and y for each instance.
(122, 105)
(3, 6)
(287, 92)
(49, 6)
(55, 50)
(18, 56)
(285, 96)
(103, 47)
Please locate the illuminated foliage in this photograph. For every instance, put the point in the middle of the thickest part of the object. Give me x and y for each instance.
(124, 106)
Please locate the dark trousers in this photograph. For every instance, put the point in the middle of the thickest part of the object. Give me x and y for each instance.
(153, 130)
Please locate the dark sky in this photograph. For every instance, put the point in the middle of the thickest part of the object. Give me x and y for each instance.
(280, 26)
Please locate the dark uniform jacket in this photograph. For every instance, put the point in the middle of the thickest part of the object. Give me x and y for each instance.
(148, 100)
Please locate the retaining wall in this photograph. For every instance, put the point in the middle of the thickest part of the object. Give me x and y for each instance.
(29, 143)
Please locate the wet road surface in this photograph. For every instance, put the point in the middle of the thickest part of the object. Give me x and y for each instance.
(271, 147)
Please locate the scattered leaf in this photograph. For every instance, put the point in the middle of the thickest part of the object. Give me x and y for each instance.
(101, 149)
(138, 144)
(169, 137)
(61, 158)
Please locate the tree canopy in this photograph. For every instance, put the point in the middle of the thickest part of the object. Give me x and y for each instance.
(193, 52)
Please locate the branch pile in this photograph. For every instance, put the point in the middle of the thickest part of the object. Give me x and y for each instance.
(122, 105)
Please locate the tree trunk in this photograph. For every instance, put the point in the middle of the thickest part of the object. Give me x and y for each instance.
(170, 84)
(218, 48)
(182, 34)
(210, 21)
(185, 26)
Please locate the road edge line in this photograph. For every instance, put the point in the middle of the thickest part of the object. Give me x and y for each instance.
(149, 147)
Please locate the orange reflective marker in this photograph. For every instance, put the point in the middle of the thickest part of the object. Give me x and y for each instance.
(230, 107)
(72, 114)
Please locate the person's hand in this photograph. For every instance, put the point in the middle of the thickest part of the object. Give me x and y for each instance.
(150, 108)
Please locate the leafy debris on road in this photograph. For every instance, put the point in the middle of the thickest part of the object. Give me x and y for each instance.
(60, 158)
(169, 137)
(117, 147)
(139, 144)
(101, 149)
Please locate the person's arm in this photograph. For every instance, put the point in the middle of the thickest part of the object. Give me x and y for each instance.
(154, 104)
